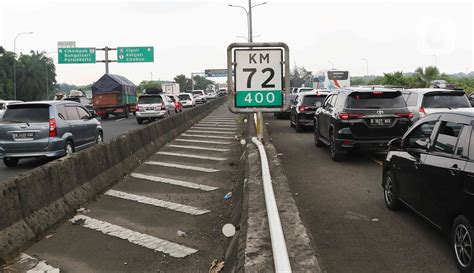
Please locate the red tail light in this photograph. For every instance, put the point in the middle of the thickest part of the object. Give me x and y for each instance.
(345, 115)
(53, 131)
(301, 108)
(422, 111)
(405, 115)
(163, 107)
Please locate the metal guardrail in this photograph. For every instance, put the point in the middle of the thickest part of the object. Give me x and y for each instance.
(280, 253)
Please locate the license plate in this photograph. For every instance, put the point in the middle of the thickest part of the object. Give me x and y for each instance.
(380, 121)
(24, 135)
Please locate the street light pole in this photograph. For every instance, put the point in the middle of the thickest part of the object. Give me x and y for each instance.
(366, 69)
(14, 63)
(436, 60)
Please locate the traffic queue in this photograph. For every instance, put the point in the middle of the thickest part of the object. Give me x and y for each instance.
(427, 136)
(70, 123)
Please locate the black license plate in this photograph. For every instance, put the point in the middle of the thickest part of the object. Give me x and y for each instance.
(380, 121)
(25, 135)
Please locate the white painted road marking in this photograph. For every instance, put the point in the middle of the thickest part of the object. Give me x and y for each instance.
(209, 132)
(38, 266)
(173, 182)
(193, 156)
(198, 148)
(134, 237)
(215, 125)
(157, 202)
(207, 136)
(179, 166)
(214, 128)
(120, 119)
(204, 141)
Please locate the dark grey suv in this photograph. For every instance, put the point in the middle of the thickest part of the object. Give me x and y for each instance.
(46, 129)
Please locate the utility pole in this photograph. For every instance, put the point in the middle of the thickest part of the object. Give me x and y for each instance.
(366, 70)
(106, 61)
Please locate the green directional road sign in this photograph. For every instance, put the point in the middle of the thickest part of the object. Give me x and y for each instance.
(135, 54)
(76, 55)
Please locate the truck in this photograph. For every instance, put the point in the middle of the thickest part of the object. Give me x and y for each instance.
(114, 95)
(171, 89)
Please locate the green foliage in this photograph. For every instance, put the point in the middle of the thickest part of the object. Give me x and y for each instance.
(148, 84)
(6, 74)
(201, 83)
(184, 82)
(299, 76)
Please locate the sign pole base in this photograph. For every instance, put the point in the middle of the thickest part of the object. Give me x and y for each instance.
(260, 126)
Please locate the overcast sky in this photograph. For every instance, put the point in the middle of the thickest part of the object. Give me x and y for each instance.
(190, 36)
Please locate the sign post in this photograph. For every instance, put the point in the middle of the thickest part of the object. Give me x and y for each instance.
(258, 77)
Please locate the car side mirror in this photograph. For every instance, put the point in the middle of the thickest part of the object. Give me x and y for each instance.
(318, 104)
(395, 143)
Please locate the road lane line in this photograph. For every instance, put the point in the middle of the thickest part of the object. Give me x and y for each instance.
(207, 136)
(204, 141)
(180, 166)
(120, 119)
(216, 125)
(157, 202)
(173, 182)
(38, 266)
(198, 148)
(210, 132)
(214, 128)
(134, 237)
(193, 156)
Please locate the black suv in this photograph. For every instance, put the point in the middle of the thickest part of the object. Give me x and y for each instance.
(360, 118)
(431, 171)
(303, 108)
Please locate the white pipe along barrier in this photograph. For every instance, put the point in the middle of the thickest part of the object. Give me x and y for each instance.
(280, 253)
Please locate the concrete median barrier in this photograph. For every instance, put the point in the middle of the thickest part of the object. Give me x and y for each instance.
(37, 201)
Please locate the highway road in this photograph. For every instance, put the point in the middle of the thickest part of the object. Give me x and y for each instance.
(342, 206)
(112, 128)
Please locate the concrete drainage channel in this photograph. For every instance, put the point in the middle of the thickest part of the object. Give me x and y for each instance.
(37, 201)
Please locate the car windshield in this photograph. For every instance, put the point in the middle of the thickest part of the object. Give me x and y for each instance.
(375, 100)
(446, 100)
(197, 92)
(150, 100)
(183, 97)
(306, 90)
(311, 100)
(27, 113)
(172, 98)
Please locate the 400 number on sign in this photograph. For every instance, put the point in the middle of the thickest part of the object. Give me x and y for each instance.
(267, 98)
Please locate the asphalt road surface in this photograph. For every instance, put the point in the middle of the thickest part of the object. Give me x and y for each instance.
(112, 128)
(166, 216)
(342, 206)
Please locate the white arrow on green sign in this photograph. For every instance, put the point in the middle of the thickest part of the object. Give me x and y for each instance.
(135, 54)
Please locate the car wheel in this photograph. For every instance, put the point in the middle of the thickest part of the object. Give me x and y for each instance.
(99, 139)
(317, 140)
(335, 153)
(139, 121)
(69, 148)
(461, 240)
(10, 161)
(390, 192)
(298, 126)
(292, 125)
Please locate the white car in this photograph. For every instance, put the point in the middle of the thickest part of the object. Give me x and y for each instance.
(199, 96)
(5, 103)
(187, 100)
(211, 94)
(153, 107)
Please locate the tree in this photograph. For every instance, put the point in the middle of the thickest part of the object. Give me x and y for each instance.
(148, 84)
(201, 83)
(184, 82)
(35, 74)
(396, 78)
(6, 73)
(299, 76)
(424, 77)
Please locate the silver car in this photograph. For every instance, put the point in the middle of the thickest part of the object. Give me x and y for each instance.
(199, 96)
(46, 129)
(154, 106)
